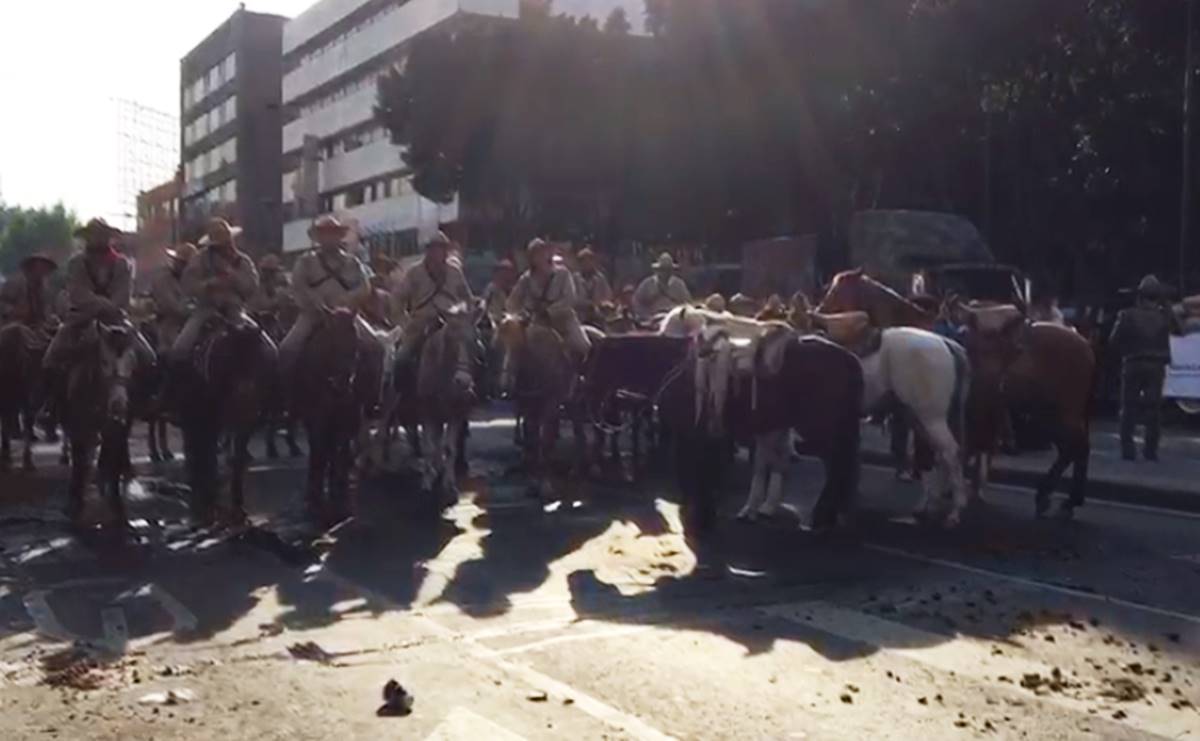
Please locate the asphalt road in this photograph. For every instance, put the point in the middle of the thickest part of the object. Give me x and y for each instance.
(507, 618)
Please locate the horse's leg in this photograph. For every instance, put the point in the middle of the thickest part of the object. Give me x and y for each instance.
(455, 440)
(461, 465)
(431, 430)
(949, 469)
(289, 437)
(6, 425)
(413, 432)
(164, 437)
(758, 485)
(270, 432)
(81, 461)
(152, 439)
(30, 415)
(111, 470)
(239, 464)
(777, 460)
(1079, 472)
(314, 495)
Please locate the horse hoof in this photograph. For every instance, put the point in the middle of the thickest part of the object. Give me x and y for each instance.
(295, 452)
(168, 456)
(952, 521)
(1041, 507)
(1065, 512)
(747, 515)
(155, 458)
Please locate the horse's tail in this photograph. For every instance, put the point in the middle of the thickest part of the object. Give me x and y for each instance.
(957, 414)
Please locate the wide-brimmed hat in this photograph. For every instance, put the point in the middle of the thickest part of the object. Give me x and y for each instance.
(97, 227)
(328, 223)
(664, 262)
(181, 252)
(537, 244)
(39, 257)
(587, 253)
(505, 264)
(269, 263)
(1151, 286)
(439, 239)
(219, 225)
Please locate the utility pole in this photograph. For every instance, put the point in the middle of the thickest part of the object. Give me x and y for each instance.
(1185, 205)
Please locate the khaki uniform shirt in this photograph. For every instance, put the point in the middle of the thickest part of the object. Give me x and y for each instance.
(234, 280)
(652, 297)
(338, 280)
(170, 301)
(592, 290)
(552, 293)
(97, 285)
(419, 295)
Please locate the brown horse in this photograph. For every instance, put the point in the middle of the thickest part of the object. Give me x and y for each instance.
(331, 394)
(538, 374)
(276, 324)
(854, 290)
(97, 415)
(1046, 369)
(21, 350)
(222, 394)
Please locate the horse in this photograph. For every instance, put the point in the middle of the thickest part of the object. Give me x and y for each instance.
(854, 290)
(812, 387)
(275, 326)
(97, 413)
(21, 351)
(331, 395)
(537, 371)
(154, 412)
(930, 377)
(445, 392)
(221, 393)
(1045, 368)
(623, 373)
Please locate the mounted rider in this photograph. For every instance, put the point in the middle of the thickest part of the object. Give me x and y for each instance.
(221, 279)
(172, 305)
(325, 280)
(1142, 336)
(660, 292)
(26, 299)
(546, 293)
(495, 296)
(428, 291)
(99, 283)
(591, 288)
(273, 305)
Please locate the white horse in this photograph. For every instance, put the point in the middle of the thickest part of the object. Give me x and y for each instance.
(931, 376)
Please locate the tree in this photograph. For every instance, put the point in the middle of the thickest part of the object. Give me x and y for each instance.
(617, 22)
(26, 231)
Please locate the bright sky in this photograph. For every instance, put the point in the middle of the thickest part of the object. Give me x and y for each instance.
(62, 62)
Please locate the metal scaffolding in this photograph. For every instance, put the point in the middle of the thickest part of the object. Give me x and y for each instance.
(147, 155)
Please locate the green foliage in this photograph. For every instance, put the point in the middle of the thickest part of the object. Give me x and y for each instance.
(24, 231)
(1055, 125)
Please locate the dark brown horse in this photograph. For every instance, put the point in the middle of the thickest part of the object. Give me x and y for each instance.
(154, 412)
(276, 324)
(97, 414)
(1045, 369)
(21, 350)
(222, 394)
(817, 391)
(331, 395)
(854, 290)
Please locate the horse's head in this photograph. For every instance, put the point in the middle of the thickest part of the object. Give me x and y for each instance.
(460, 343)
(117, 364)
(846, 293)
(336, 356)
(511, 338)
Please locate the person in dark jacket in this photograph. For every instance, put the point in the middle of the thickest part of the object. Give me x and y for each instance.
(1142, 337)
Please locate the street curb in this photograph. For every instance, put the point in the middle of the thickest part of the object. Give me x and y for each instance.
(1103, 489)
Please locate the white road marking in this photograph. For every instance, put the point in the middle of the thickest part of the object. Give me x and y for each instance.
(1034, 584)
(957, 655)
(461, 723)
(595, 635)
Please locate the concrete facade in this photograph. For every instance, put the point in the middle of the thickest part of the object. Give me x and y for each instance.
(231, 127)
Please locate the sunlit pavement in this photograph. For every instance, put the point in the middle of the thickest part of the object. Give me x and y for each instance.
(508, 618)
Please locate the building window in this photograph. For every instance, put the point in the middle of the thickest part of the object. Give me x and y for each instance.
(198, 91)
(214, 78)
(229, 110)
(230, 65)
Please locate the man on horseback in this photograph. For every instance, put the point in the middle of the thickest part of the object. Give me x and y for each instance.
(495, 296)
(26, 298)
(98, 285)
(172, 305)
(221, 279)
(273, 305)
(428, 291)
(660, 292)
(591, 288)
(1142, 337)
(546, 293)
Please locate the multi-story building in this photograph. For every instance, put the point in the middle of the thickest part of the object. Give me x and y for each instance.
(230, 120)
(336, 157)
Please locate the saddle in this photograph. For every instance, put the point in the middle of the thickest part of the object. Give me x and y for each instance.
(852, 330)
(213, 330)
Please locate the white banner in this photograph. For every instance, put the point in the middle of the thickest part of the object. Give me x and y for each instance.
(1183, 375)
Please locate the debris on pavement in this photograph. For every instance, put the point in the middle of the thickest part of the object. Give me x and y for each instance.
(1124, 689)
(310, 651)
(170, 697)
(537, 696)
(397, 701)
